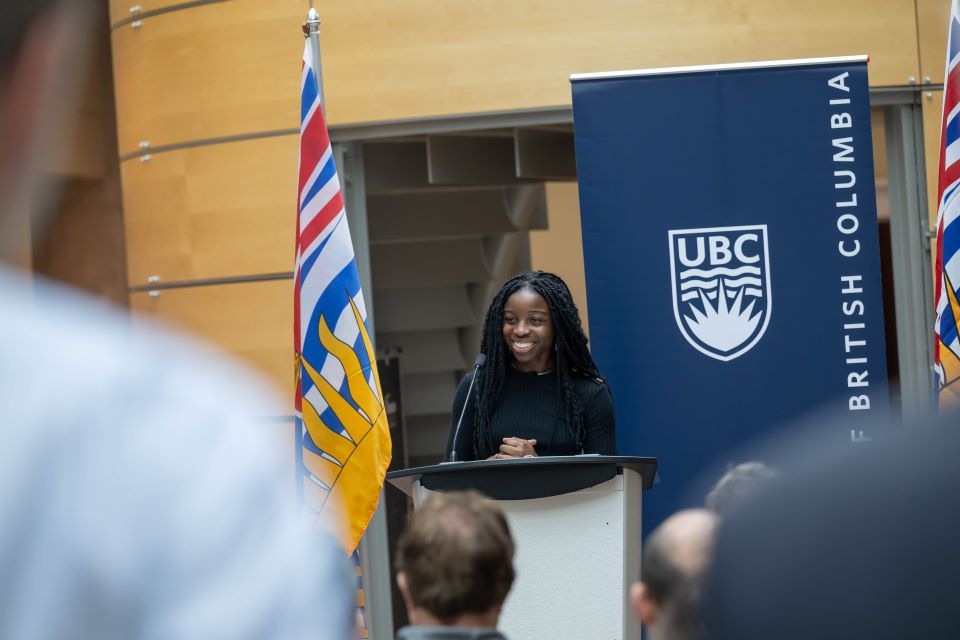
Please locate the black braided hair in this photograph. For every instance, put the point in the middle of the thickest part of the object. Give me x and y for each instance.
(571, 358)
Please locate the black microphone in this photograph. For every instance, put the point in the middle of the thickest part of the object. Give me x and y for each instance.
(476, 367)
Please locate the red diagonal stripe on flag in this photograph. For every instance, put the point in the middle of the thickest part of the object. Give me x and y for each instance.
(951, 97)
(321, 220)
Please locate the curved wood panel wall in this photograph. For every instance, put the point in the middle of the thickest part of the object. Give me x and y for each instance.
(253, 320)
(200, 208)
(132, 9)
(386, 60)
(213, 211)
(932, 19)
(207, 71)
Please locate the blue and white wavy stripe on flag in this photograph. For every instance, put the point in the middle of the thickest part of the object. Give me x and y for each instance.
(326, 290)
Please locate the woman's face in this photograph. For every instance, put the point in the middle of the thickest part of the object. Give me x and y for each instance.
(528, 331)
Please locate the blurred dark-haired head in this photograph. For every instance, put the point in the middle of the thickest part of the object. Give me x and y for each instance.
(42, 61)
(455, 557)
(859, 543)
(667, 600)
(738, 484)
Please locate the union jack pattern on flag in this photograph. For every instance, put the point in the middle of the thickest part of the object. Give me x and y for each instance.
(339, 406)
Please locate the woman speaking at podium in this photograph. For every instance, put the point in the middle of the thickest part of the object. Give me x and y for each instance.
(536, 390)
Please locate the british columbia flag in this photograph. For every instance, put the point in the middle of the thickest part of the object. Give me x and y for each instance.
(338, 405)
(947, 269)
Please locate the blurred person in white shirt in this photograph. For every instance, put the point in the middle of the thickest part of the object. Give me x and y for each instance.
(139, 495)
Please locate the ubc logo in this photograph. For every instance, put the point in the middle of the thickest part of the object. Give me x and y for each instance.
(721, 288)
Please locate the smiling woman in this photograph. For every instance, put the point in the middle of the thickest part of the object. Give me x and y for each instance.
(539, 392)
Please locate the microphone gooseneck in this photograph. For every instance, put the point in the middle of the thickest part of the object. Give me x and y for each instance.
(453, 446)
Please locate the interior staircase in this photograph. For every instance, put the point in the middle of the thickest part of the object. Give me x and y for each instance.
(449, 217)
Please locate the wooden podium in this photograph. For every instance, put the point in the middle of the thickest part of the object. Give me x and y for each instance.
(576, 524)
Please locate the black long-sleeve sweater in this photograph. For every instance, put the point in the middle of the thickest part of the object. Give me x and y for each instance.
(531, 405)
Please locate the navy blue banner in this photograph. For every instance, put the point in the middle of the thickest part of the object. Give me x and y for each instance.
(731, 251)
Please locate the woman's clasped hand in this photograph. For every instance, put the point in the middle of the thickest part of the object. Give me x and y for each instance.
(515, 448)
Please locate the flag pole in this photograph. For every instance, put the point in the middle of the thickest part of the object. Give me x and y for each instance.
(311, 31)
(373, 547)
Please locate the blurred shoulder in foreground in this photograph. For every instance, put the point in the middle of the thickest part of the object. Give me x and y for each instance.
(141, 492)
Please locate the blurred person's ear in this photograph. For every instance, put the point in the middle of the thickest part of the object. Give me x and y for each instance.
(405, 592)
(645, 608)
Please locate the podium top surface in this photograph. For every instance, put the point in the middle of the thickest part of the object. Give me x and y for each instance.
(524, 478)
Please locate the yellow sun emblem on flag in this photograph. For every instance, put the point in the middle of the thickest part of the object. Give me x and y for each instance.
(351, 472)
(950, 361)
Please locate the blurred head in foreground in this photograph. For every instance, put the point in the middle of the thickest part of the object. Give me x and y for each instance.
(675, 558)
(140, 497)
(455, 562)
(737, 485)
(859, 544)
(42, 56)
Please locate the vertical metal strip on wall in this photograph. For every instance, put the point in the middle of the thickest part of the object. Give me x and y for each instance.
(374, 556)
(910, 246)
